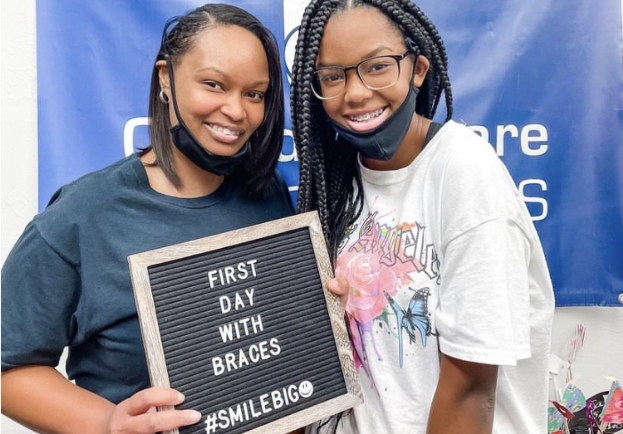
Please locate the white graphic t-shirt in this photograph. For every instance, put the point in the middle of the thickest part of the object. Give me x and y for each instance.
(444, 257)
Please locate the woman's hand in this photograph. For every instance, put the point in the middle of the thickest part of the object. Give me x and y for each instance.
(340, 287)
(35, 396)
(137, 415)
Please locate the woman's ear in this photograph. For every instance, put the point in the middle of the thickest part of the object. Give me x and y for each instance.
(163, 76)
(421, 69)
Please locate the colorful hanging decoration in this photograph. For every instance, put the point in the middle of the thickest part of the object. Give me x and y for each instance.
(571, 412)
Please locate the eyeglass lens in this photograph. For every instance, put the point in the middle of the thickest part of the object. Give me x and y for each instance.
(376, 73)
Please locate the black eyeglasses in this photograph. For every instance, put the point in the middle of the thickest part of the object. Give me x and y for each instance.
(376, 73)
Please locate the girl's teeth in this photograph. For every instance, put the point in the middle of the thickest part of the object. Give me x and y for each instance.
(367, 116)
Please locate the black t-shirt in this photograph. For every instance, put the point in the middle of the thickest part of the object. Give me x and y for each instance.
(67, 281)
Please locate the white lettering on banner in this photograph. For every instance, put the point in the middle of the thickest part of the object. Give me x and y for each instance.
(228, 418)
(530, 135)
(529, 199)
(292, 156)
(293, 11)
(527, 138)
(128, 133)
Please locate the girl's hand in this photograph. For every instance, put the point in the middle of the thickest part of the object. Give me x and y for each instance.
(340, 287)
(138, 415)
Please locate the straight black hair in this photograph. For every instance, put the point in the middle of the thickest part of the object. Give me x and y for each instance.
(178, 37)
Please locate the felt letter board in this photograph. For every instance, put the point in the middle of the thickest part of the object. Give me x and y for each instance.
(242, 325)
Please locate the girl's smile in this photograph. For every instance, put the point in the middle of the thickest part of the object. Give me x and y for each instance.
(366, 120)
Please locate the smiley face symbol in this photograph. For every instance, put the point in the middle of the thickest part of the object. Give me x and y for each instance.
(306, 389)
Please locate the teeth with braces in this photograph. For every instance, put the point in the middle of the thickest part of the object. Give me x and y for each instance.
(367, 116)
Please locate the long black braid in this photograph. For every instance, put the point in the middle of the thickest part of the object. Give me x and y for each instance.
(328, 165)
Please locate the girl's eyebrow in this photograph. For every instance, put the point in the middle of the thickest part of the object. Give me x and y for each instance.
(377, 51)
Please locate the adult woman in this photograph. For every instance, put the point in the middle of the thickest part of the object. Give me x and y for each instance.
(217, 81)
(450, 304)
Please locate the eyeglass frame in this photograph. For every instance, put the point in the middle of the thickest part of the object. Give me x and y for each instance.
(397, 57)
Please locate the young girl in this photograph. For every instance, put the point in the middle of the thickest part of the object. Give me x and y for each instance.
(450, 302)
(217, 82)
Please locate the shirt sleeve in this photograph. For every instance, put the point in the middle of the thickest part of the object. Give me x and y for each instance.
(486, 247)
(40, 291)
(484, 310)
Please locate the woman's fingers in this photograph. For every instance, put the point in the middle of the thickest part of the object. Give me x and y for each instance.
(135, 415)
(153, 422)
(143, 400)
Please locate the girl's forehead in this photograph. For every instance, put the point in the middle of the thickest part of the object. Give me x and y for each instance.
(358, 33)
(358, 18)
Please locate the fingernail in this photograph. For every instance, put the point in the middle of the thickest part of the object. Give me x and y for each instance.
(180, 397)
(193, 416)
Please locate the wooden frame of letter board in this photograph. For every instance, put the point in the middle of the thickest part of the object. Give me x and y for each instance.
(315, 322)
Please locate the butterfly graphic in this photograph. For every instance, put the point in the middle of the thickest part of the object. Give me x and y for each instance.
(415, 317)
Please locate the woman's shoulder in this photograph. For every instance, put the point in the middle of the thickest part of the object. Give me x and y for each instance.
(88, 196)
(92, 188)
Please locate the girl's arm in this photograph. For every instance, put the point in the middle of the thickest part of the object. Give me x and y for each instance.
(465, 398)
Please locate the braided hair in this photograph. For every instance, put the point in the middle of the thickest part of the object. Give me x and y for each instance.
(327, 164)
(178, 37)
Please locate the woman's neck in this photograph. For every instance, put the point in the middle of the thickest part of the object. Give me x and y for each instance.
(194, 181)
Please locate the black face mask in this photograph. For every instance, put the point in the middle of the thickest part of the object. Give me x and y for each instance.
(192, 149)
(382, 142)
(188, 145)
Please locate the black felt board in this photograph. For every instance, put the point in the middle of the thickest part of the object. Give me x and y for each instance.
(260, 304)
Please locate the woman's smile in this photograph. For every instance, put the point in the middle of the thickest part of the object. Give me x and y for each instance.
(225, 134)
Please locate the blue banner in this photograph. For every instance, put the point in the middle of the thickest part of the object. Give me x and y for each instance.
(542, 81)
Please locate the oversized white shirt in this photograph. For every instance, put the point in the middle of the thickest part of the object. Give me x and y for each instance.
(444, 258)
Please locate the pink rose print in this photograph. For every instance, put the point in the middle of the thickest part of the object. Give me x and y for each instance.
(376, 262)
(368, 279)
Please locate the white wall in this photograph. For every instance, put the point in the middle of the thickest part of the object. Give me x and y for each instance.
(602, 354)
(18, 145)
